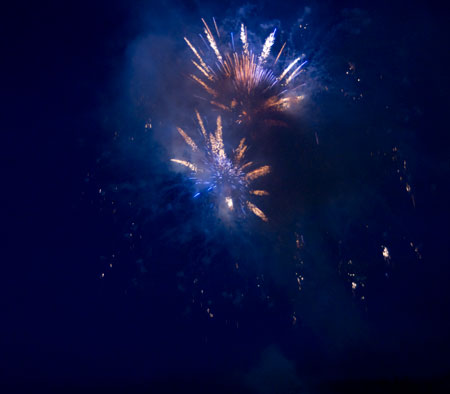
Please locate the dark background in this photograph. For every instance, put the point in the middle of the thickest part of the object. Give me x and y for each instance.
(74, 73)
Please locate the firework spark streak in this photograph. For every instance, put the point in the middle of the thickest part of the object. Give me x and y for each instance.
(243, 81)
(267, 47)
(228, 178)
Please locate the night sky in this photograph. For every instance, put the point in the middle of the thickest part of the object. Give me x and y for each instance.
(114, 278)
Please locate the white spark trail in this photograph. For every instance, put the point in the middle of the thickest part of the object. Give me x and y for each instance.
(212, 41)
(244, 39)
(267, 47)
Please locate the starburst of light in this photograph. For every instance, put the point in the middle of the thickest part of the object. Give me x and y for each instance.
(243, 81)
(228, 177)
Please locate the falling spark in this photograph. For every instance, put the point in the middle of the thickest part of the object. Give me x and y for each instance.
(222, 175)
(257, 211)
(246, 165)
(205, 86)
(288, 68)
(187, 139)
(217, 30)
(240, 150)
(244, 39)
(200, 122)
(385, 252)
(216, 140)
(295, 73)
(202, 70)
(258, 173)
(279, 53)
(185, 163)
(220, 105)
(204, 66)
(212, 41)
(267, 47)
(259, 192)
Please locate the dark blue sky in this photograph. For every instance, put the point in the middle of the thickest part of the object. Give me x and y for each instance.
(75, 73)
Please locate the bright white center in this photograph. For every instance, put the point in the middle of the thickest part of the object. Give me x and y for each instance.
(229, 202)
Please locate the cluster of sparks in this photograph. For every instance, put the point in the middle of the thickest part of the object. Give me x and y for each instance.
(244, 82)
(230, 178)
(243, 85)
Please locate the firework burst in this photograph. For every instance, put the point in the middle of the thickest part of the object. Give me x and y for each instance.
(243, 81)
(228, 178)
